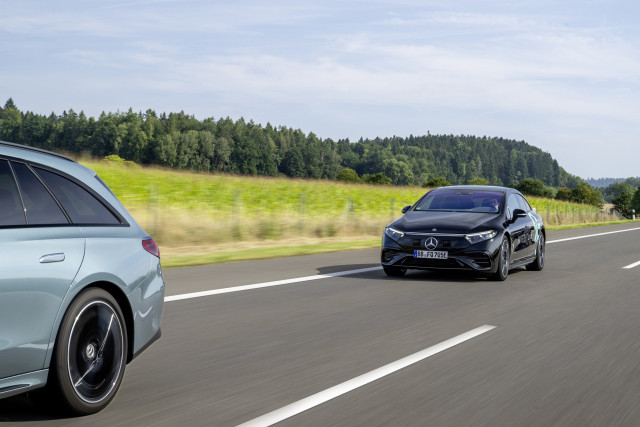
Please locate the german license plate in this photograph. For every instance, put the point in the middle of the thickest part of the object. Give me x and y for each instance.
(431, 254)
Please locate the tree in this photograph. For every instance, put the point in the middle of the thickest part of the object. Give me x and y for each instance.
(584, 193)
(623, 203)
(478, 181)
(10, 104)
(10, 122)
(533, 187)
(563, 193)
(348, 175)
(437, 182)
(399, 172)
(616, 189)
(635, 202)
(378, 179)
(293, 163)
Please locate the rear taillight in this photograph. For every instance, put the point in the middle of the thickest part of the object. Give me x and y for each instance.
(150, 246)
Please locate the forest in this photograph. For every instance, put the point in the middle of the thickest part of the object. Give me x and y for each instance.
(179, 140)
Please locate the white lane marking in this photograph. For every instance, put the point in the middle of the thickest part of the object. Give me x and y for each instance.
(593, 235)
(268, 284)
(635, 264)
(347, 386)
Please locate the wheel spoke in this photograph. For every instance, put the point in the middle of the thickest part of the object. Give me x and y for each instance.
(93, 365)
(104, 341)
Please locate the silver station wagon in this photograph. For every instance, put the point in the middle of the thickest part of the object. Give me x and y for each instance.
(81, 288)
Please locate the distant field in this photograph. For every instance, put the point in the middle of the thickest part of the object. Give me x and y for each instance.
(197, 213)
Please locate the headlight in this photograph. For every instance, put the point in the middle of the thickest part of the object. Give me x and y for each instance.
(479, 237)
(393, 233)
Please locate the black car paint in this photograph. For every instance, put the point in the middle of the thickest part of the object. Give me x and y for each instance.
(450, 227)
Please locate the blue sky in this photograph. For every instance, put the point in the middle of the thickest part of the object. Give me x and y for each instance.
(561, 75)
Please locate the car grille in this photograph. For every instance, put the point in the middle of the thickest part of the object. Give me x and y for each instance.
(432, 263)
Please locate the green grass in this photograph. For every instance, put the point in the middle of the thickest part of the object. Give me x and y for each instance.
(267, 252)
(195, 218)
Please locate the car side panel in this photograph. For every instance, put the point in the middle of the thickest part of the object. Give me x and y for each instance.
(32, 292)
(521, 241)
(115, 255)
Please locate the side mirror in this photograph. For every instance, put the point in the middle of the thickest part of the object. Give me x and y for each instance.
(406, 208)
(518, 213)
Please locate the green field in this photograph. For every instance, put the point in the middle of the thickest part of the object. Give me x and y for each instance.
(196, 215)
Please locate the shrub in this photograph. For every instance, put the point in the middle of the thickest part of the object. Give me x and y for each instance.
(437, 182)
(348, 175)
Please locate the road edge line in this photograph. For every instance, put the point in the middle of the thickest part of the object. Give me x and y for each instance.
(592, 235)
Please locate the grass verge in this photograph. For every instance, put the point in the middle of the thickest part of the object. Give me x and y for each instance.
(246, 254)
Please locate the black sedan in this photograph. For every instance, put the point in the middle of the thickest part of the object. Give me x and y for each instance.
(484, 229)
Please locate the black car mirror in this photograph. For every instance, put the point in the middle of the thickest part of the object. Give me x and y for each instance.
(406, 208)
(518, 213)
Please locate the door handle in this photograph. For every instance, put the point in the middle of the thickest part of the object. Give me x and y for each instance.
(45, 259)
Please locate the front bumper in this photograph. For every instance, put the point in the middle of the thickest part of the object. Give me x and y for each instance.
(481, 257)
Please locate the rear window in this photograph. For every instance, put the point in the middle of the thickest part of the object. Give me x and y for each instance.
(11, 211)
(461, 200)
(81, 206)
(40, 207)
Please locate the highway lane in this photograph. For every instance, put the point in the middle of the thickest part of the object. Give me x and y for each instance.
(564, 350)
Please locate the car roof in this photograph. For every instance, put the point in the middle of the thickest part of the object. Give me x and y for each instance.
(35, 150)
(47, 158)
(477, 187)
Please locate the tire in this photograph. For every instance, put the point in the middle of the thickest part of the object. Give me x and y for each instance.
(394, 271)
(538, 263)
(90, 355)
(504, 260)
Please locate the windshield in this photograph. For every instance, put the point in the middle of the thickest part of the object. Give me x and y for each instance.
(461, 200)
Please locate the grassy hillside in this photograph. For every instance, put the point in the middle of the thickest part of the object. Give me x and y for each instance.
(192, 213)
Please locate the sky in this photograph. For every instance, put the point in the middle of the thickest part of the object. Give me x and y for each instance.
(563, 76)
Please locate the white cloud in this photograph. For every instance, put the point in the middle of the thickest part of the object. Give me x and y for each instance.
(506, 69)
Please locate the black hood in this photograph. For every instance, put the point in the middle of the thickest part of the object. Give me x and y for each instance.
(446, 222)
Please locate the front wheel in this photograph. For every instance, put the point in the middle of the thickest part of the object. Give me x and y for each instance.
(538, 263)
(90, 354)
(504, 260)
(394, 271)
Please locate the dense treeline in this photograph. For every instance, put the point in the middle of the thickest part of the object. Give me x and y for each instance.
(181, 141)
(606, 182)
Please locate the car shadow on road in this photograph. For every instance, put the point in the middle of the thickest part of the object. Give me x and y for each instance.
(19, 409)
(329, 269)
(452, 276)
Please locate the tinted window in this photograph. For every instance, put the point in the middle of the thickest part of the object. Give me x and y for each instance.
(81, 206)
(512, 203)
(40, 207)
(461, 200)
(11, 211)
(524, 205)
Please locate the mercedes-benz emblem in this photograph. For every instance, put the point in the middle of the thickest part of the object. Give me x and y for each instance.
(431, 243)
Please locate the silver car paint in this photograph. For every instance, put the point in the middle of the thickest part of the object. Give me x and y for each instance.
(32, 292)
(32, 306)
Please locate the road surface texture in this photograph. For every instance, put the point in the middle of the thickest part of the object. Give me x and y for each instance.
(557, 347)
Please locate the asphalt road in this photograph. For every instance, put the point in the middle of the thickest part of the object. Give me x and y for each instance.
(565, 349)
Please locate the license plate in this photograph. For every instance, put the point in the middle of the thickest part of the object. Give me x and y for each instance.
(431, 254)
